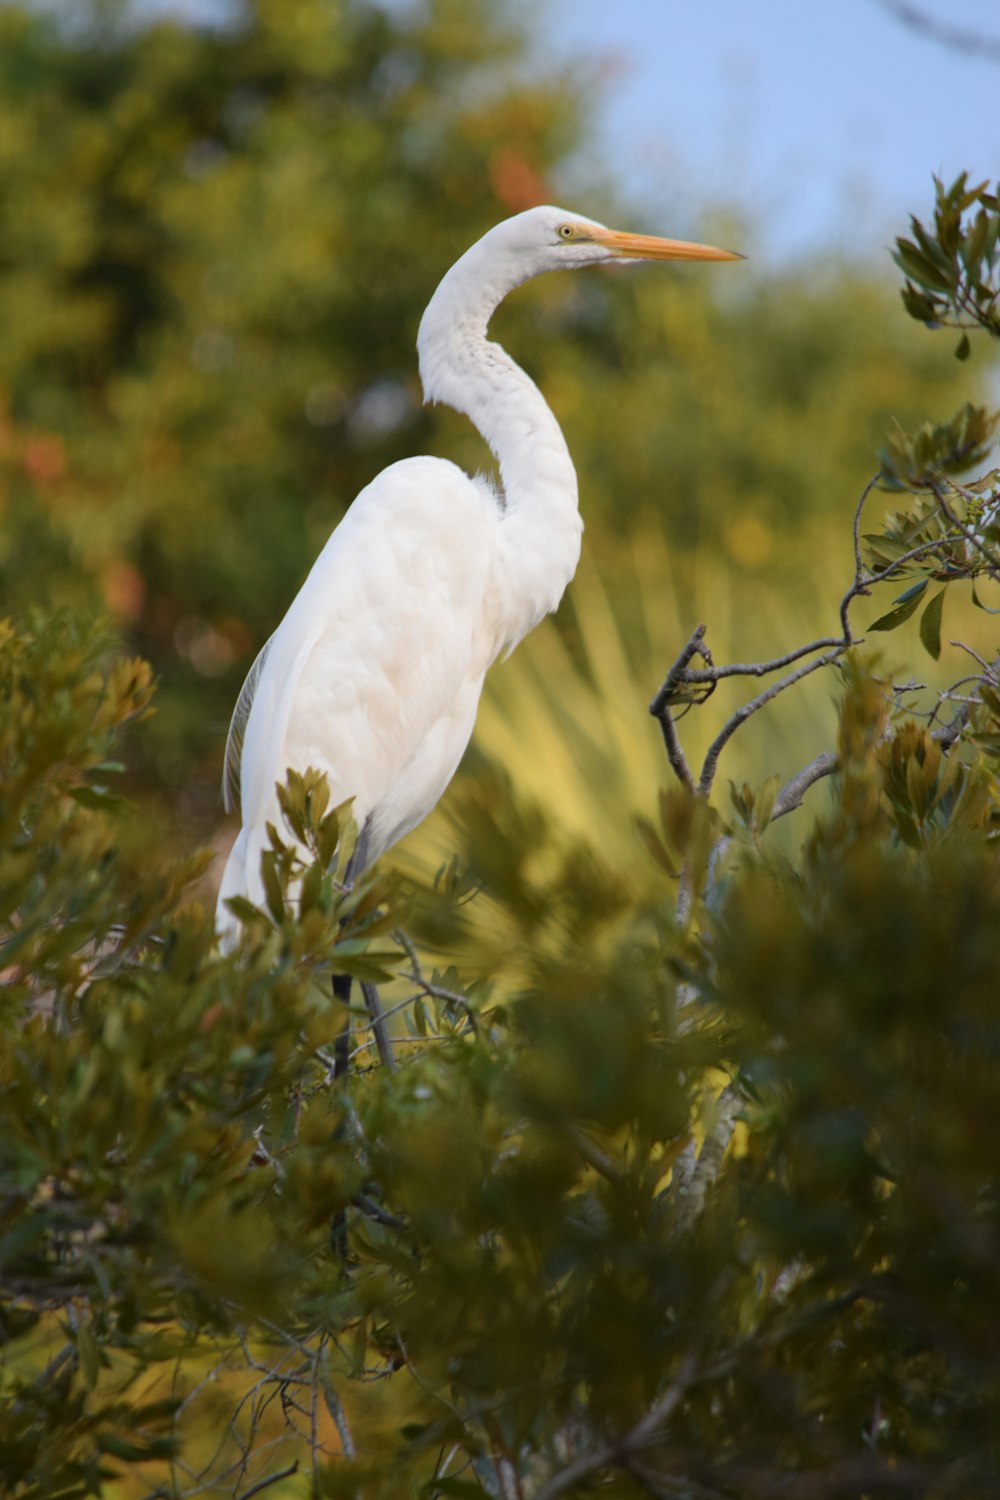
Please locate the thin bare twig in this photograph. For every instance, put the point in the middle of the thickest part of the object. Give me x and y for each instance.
(263, 1484)
(791, 794)
(945, 34)
(427, 986)
(990, 673)
(677, 671)
(674, 748)
(761, 668)
(618, 1452)
(334, 1405)
(593, 1155)
(660, 708)
(377, 1212)
(711, 761)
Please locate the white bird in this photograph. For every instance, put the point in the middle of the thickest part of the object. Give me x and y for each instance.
(375, 672)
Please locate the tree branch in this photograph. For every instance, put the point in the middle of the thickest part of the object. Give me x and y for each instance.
(791, 794)
(711, 761)
(617, 1453)
(957, 38)
(660, 708)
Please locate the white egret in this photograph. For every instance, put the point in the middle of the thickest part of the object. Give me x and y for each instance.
(375, 672)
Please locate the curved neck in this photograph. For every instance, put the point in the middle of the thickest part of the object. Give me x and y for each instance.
(462, 368)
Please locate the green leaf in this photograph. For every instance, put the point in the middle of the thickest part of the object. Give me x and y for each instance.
(962, 351)
(913, 592)
(97, 798)
(920, 268)
(311, 888)
(244, 909)
(980, 605)
(327, 838)
(896, 617)
(654, 845)
(930, 625)
(919, 305)
(86, 1348)
(272, 886)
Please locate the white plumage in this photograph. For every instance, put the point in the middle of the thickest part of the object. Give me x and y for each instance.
(375, 672)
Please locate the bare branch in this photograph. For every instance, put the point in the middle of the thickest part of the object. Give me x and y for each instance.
(762, 668)
(674, 749)
(263, 1484)
(743, 713)
(646, 1431)
(660, 709)
(377, 1212)
(677, 671)
(334, 1405)
(696, 1172)
(791, 794)
(593, 1155)
(957, 38)
(435, 991)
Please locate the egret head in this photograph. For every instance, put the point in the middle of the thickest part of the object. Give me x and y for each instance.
(549, 238)
(540, 239)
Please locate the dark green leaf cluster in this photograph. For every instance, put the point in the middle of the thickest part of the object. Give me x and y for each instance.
(914, 461)
(952, 270)
(948, 533)
(544, 1245)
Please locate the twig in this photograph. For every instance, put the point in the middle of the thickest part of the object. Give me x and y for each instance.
(992, 561)
(791, 794)
(958, 38)
(645, 1431)
(660, 708)
(859, 566)
(743, 713)
(263, 1484)
(677, 671)
(990, 669)
(761, 668)
(377, 1212)
(695, 1173)
(334, 1405)
(674, 749)
(435, 991)
(593, 1155)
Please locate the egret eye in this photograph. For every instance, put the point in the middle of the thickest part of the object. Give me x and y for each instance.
(566, 232)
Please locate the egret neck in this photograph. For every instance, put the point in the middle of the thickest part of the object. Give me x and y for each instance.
(460, 367)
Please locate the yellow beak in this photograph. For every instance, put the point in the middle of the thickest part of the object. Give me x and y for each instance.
(650, 247)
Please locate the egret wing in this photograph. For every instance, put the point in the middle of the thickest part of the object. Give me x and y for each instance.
(237, 731)
(390, 627)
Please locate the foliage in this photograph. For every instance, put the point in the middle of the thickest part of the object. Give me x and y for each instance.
(952, 273)
(541, 1263)
(692, 1190)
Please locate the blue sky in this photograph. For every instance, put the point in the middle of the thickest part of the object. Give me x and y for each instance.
(822, 120)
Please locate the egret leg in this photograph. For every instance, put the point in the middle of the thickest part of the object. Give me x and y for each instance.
(342, 1046)
(341, 1066)
(379, 1028)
